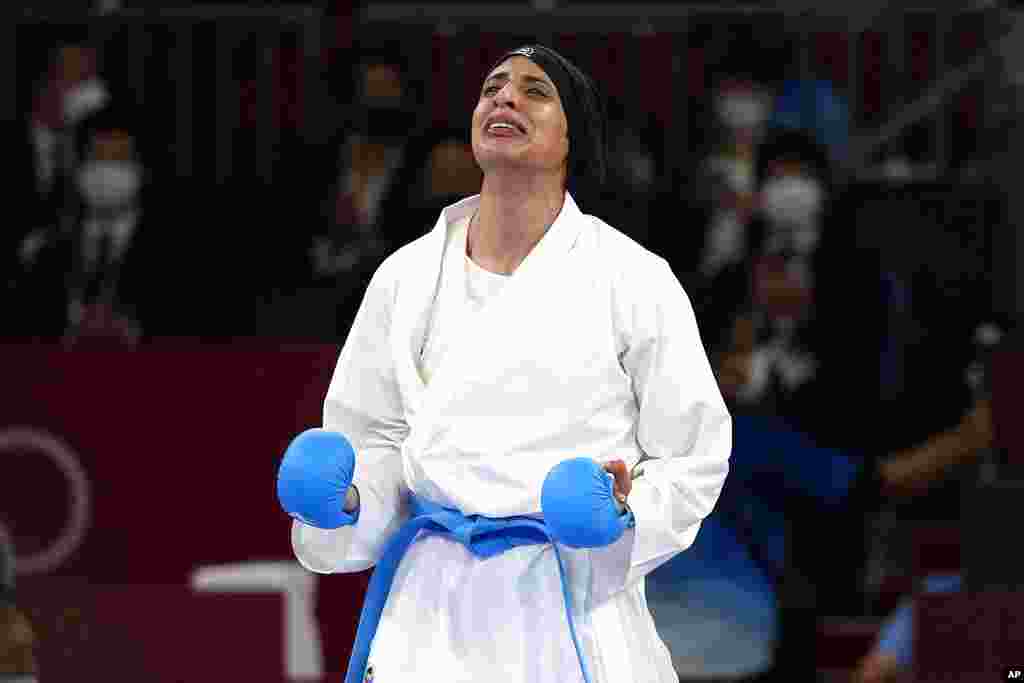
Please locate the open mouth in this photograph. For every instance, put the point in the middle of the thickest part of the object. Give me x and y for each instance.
(504, 128)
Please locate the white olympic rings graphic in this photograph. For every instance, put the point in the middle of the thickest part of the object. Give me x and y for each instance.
(72, 535)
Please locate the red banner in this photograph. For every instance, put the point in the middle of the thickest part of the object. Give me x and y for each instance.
(127, 470)
(156, 634)
(180, 448)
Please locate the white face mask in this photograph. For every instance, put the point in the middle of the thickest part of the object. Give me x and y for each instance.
(83, 99)
(741, 110)
(641, 171)
(761, 362)
(792, 201)
(109, 184)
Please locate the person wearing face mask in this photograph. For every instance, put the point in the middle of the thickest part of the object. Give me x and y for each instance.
(797, 359)
(73, 92)
(41, 147)
(368, 164)
(776, 273)
(372, 151)
(90, 283)
(722, 605)
(505, 375)
(811, 294)
(760, 571)
(726, 185)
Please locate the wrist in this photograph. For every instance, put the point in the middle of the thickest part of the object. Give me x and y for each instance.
(626, 514)
(351, 503)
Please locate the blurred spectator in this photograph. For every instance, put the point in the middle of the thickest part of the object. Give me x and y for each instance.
(726, 184)
(814, 105)
(96, 281)
(791, 362)
(442, 171)
(921, 444)
(892, 657)
(371, 154)
(719, 189)
(769, 302)
(912, 472)
(717, 605)
(635, 175)
(41, 146)
(356, 199)
(905, 473)
(744, 600)
(742, 603)
(17, 637)
(926, 478)
(927, 415)
(805, 98)
(71, 91)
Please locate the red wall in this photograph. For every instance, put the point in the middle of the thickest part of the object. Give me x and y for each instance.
(180, 446)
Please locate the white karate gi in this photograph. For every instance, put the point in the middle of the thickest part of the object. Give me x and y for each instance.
(589, 349)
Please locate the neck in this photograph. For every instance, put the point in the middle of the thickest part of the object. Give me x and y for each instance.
(514, 214)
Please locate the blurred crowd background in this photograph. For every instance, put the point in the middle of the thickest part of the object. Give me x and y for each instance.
(835, 186)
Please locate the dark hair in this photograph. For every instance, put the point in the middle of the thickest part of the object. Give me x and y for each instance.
(105, 120)
(791, 144)
(584, 112)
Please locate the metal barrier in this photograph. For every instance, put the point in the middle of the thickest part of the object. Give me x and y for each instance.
(201, 72)
(881, 63)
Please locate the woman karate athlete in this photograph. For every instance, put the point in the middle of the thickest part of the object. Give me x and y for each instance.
(500, 370)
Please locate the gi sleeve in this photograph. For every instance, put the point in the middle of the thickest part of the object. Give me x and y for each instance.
(364, 404)
(683, 429)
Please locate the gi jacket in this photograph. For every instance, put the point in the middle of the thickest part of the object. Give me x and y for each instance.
(590, 349)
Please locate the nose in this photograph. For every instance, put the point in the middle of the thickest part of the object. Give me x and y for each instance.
(506, 96)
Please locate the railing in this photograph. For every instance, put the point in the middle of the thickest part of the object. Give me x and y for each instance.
(882, 60)
(222, 80)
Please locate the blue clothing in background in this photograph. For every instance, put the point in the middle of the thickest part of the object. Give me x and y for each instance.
(897, 634)
(715, 604)
(814, 106)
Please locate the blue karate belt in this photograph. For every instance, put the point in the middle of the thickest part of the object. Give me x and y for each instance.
(484, 536)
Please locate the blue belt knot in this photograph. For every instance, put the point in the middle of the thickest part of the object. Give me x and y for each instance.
(484, 536)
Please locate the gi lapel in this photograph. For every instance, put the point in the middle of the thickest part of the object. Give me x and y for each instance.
(525, 289)
(418, 289)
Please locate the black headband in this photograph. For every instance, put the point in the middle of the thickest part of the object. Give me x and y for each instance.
(584, 112)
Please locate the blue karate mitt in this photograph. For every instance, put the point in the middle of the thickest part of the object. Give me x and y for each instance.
(314, 477)
(579, 505)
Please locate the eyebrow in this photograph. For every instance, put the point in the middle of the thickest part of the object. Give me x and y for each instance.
(504, 76)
